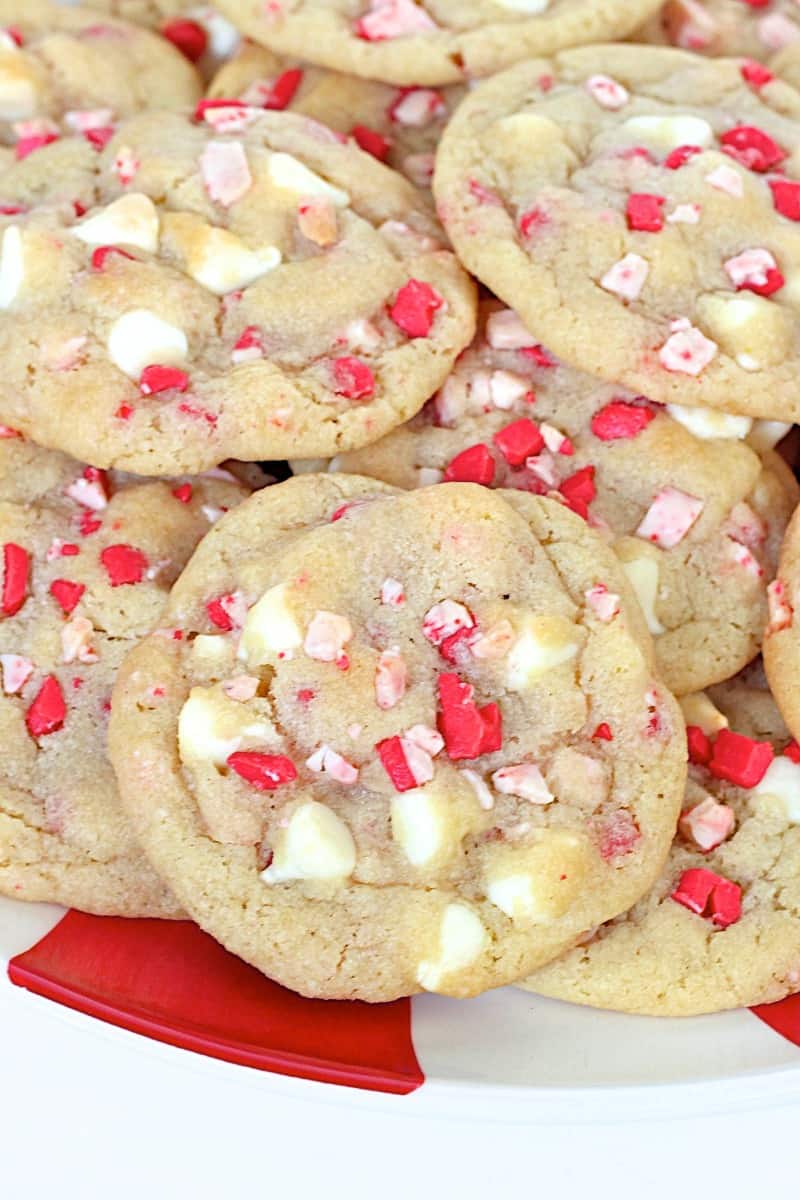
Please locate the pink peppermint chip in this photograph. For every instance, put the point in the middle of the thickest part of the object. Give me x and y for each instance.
(444, 620)
(524, 780)
(388, 19)
(225, 172)
(248, 347)
(391, 675)
(16, 672)
(781, 613)
(416, 107)
(726, 179)
(228, 612)
(90, 489)
(708, 824)
(627, 277)
(327, 636)
(353, 378)
(687, 350)
(505, 331)
(669, 518)
(125, 165)
(334, 764)
(755, 271)
(603, 603)
(607, 91)
(393, 593)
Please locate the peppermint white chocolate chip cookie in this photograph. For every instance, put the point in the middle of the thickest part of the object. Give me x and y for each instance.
(398, 126)
(782, 636)
(721, 928)
(73, 70)
(238, 285)
(87, 561)
(752, 27)
(199, 31)
(694, 513)
(408, 740)
(440, 41)
(639, 207)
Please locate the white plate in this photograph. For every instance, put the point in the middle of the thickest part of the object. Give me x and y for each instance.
(507, 1055)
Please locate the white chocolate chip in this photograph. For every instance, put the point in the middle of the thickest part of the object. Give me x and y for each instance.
(419, 823)
(211, 727)
(315, 845)
(462, 939)
(782, 781)
(140, 337)
(643, 576)
(222, 263)
(753, 330)
(708, 423)
(12, 266)
(480, 787)
(699, 710)
(765, 435)
(542, 643)
(288, 172)
(270, 631)
(19, 94)
(670, 132)
(129, 221)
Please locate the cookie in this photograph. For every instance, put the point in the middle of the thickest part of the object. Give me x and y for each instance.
(88, 560)
(781, 638)
(68, 70)
(399, 126)
(638, 207)
(168, 326)
(721, 928)
(442, 41)
(695, 515)
(199, 31)
(756, 29)
(346, 783)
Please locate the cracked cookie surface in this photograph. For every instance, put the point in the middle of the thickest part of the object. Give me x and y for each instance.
(511, 415)
(87, 562)
(168, 327)
(440, 41)
(639, 208)
(721, 928)
(408, 740)
(716, 27)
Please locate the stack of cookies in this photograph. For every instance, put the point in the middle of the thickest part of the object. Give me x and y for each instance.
(473, 696)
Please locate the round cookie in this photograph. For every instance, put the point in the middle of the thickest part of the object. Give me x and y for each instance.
(68, 70)
(399, 126)
(346, 783)
(725, 26)
(441, 41)
(697, 518)
(87, 562)
(168, 327)
(721, 928)
(646, 193)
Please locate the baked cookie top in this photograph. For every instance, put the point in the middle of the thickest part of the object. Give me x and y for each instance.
(400, 126)
(752, 27)
(639, 208)
(694, 513)
(154, 297)
(87, 562)
(407, 740)
(73, 70)
(721, 928)
(782, 638)
(440, 41)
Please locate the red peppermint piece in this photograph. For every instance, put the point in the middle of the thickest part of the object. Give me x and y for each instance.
(579, 491)
(532, 220)
(792, 751)
(101, 255)
(373, 142)
(603, 733)
(282, 89)
(519, 441)
(89, 523)
(353, 378)
(709, 895)
(204, 106)
(395, 764)
(414, 308)
(699, 745)
(473, 465)
(786, 197)
(48, 710)
(67, 593)
(183, 493)
(620, 419)
(27, 145)
(468, 731)
(124, 564)
(755, 73)
(155, 379)
(188, 37)
(619, 833)
(264, 772)
(740, 760)
(752, 148)
(100, 137)
(449, 646)
(644, 212)
(218, 616)
(16, 563)
(680, 156)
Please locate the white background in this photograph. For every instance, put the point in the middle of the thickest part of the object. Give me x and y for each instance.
(89, 1112)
